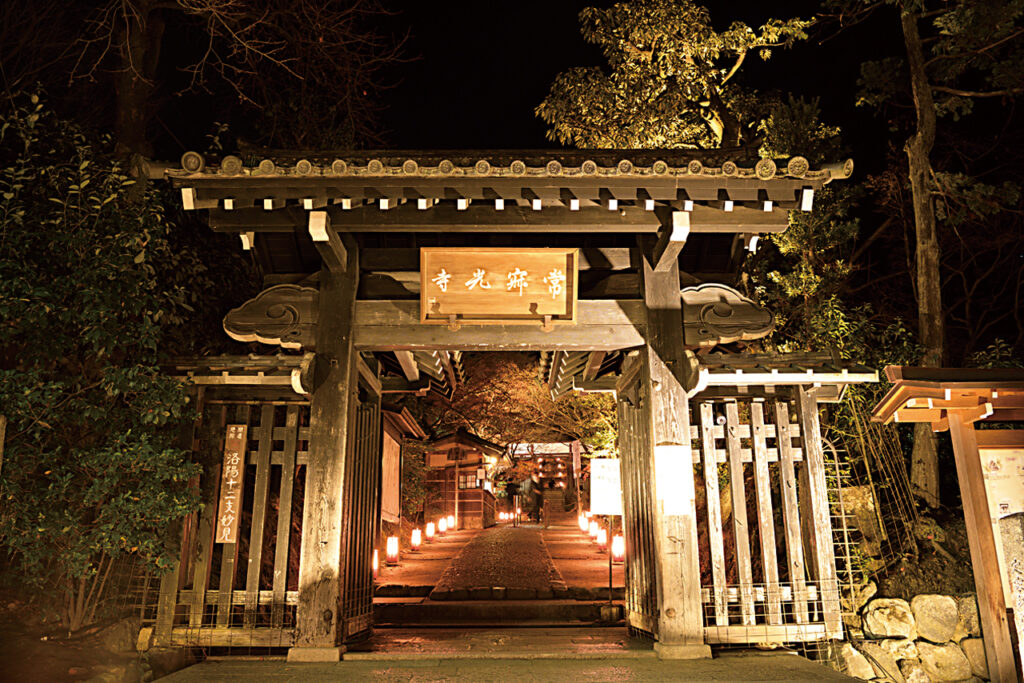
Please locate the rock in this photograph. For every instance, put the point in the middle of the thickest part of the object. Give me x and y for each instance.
(936, 617)
(883, 663)
(900, 648)
(854, 663)
(945, 662)
(913, 672)
(163, 661)
(968, 624)
(121, 636)
(974, 650)
(888, 618)
(125, 672)
(858, 596)
(458, 594)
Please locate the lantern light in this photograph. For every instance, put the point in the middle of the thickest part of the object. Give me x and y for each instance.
(519, 511)
(451, 522)
(584, 525)
(416, 539)
(431, 530)
(391, 558)
(593, 529)
(587, 514)
(618, 549)
(376, 562)
(602, 539)
(442, 526)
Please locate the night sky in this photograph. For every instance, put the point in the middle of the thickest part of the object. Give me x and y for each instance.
(479, 71)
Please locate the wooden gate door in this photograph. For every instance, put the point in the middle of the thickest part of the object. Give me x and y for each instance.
(359, 517)
(637, 506)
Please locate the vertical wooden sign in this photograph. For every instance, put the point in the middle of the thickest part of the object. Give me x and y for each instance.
(232, 474)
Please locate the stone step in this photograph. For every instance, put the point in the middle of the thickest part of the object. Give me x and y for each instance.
(493, 612)
(556, 592)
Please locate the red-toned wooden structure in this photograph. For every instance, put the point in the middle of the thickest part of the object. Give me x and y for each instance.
(964, 401)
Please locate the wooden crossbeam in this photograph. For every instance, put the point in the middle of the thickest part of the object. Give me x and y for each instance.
(594, 361)
(410, 368)
(671, 240)
(327, 242)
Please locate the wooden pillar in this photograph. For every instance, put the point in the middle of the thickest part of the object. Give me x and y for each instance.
(317, 620)
(664, 365)
(995, 626)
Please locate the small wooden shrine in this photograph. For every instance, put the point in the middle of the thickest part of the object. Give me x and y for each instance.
(461, 466)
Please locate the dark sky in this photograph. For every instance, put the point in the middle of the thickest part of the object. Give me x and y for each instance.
(481, 67)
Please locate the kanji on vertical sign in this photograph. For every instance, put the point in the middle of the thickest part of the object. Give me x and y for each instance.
(232, 474)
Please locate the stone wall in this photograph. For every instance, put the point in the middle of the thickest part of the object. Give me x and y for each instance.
(931, 638)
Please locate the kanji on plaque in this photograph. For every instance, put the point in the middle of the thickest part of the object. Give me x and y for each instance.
(232, 474)
(498, 285)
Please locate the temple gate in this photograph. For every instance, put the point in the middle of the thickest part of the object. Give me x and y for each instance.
(651, 243)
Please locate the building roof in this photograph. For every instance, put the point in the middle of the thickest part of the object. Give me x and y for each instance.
(462, 437)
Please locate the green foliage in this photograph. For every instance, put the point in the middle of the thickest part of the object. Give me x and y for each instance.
(669, 79)
(90, 283)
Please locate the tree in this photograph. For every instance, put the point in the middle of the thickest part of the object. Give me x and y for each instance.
(92, 287)
(955, 53)
(307, 68)
(670, 79)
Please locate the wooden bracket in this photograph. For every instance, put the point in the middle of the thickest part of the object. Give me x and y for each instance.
(327, 242)
(410, 368)
(671, 240)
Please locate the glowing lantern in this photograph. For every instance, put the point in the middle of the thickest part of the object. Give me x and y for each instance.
(602, 539)
(587, 514)
(593, 529)
(431, 530)
(584, 525)
(519, 511)
(451, 522)
(391, 558)
(618, 549)
(376, 562)
(416, 539)
(442, 526)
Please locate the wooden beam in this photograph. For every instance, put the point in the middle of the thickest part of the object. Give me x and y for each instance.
(483, 218)
(317, 619)
(982, 541)
(555, 369)
(594, 362)
(327, 242)
(601, 325)
(449, 371)
(410, 368)
(677, 554)
(369, 375)
(671, 240)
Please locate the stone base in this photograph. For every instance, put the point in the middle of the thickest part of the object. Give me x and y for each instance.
(315, 654)
(674, 651)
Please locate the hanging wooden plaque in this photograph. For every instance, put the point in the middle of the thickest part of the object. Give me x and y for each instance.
(498, 286)
(232, 474)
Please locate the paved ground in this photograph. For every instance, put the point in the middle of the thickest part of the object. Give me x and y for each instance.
(514, 557)
(580, 562)
(425, 566)
(731, 667)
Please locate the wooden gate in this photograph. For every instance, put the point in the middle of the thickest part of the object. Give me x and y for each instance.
(360, 512)
(242, 594)
(765, 538)
(637, 499)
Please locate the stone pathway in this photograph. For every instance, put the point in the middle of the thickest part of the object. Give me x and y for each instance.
(513, 558)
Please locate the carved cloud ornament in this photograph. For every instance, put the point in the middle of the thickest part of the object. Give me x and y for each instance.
(284, 315)
(716, 314)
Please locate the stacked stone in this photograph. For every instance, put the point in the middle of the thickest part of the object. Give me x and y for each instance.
(931, 638)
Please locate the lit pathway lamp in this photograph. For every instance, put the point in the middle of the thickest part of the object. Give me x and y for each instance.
(431, 530)
(602, 539)
(442, 526)
(376, 562)
(451, 523)
(593, 529)
(391, 559)
(584, 525)
(416, 539)
(618, 549)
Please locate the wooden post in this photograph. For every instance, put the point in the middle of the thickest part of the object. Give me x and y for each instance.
(317, 619)
(988, 582)
(680, 624)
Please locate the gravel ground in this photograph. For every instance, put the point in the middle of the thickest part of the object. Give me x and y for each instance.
(514, 557)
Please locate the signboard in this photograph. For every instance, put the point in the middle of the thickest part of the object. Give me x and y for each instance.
(605, 487)
(390, 479)
(498, 286)
(232, 473)
(1003, 469)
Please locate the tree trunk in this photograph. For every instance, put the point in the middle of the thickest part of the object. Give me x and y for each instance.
(139, 41)
(924, 466)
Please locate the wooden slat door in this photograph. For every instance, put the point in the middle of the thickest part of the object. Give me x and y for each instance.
(637, 507)
(359, 516)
